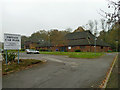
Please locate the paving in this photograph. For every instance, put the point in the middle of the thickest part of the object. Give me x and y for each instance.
(60, 72)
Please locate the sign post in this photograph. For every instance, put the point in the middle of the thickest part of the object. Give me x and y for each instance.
(6, 56)
(18, 56)
(12, 42)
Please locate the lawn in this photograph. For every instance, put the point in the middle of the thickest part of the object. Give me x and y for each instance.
(15, 51)
(76, 54)
(14, 66)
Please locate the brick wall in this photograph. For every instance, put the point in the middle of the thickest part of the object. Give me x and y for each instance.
(81, 48)
(73, 48)
(33, 46)
(89, 49)
(30, 46)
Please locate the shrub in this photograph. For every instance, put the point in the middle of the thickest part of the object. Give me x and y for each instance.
(22, 49)
(77, 50)
(48, 50)
(109, 51)
(41, 49)
(10, 56)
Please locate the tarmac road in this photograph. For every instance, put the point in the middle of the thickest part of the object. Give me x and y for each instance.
(60, 72)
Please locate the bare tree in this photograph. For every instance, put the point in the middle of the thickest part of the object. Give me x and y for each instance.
(89, 26)
(114, 16)
(103, 24)
(69, 30)
(96, 26)
(95, 32)
(92, 26)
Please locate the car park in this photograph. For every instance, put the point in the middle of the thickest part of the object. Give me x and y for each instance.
(31, 51)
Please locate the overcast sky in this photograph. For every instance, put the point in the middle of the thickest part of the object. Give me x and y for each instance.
(27, 16)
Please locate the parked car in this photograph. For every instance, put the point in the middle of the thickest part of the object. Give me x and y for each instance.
(31, 51)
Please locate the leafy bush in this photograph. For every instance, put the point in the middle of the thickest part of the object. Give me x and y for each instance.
(10, 56)
(109, 51)
(77, 50)
(42, 50)
(22, 49)
(48, 50)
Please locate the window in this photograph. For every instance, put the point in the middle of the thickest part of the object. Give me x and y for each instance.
(88, 37)
(82, 46)
(101, 47)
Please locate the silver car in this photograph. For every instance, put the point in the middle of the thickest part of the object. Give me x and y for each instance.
(31, 51)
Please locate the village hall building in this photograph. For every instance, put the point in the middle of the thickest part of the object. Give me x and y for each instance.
(83, 41)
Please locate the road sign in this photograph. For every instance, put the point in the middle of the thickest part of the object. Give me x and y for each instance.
(12, 41)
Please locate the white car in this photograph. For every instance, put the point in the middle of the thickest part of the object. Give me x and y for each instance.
(31, 51)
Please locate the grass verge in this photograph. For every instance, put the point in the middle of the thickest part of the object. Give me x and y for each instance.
(16, 51)
(13, 66)
(76, 54)
(113, 80)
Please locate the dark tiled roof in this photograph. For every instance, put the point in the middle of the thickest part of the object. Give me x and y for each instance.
(102, 43)
(77, 35)
(83, 38)
(78, 42)
(39, 43)
(44, 44)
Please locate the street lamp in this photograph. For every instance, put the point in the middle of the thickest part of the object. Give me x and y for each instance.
(49, 40)
(116, 45)
(95, 41)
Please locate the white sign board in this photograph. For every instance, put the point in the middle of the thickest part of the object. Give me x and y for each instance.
(69, 47)
(12, 41)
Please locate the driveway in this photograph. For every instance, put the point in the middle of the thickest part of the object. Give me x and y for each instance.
(60, 72)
